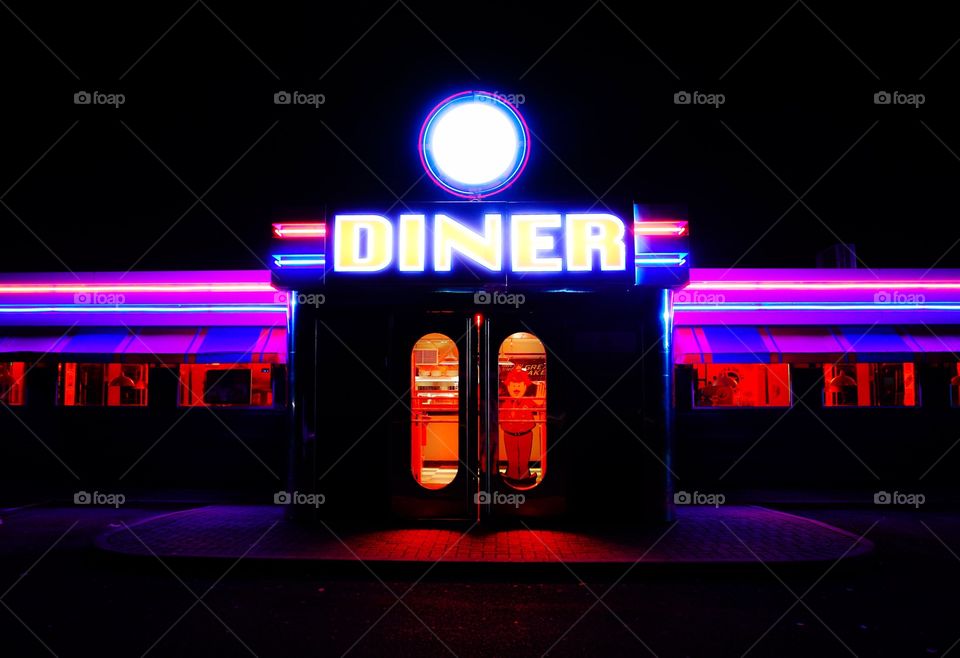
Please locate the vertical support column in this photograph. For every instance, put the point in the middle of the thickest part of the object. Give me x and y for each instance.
(666, 320)
(295, 424)
(469, 421)
(487, 400)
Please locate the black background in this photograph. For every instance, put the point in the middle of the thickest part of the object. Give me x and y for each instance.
(598, 81)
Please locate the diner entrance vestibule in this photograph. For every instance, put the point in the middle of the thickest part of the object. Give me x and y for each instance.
(476, 440)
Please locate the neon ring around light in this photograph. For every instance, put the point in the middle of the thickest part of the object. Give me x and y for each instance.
(474, 144)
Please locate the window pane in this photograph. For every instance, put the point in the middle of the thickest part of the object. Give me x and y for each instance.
(869, 385)
(742, 385)
(895, 386)
(435, 411)
(227, 385)
(103, 384)
(955, 387)
(522, 411)
(11, 382)
(841, 386)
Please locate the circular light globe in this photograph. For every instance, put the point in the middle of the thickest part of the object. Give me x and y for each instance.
(474, 144)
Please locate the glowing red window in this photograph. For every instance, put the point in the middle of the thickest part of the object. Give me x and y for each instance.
(742, 385)
(522, 411)
(869, 385)
(11, 382)
(435, 411)
(955, 386)
(103, 384)
(227, 385)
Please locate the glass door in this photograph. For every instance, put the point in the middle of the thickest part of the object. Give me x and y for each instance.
(433, 365)
(475, 429)
(435, 411)
(521, 411)
(513, 426)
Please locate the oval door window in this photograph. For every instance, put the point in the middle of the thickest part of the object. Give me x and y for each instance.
(522, 411)
(435, 411)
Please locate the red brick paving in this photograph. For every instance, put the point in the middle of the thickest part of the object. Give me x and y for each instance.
(701, 534)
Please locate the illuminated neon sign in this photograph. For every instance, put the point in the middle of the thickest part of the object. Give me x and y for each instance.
(516, 242)
(474, 144)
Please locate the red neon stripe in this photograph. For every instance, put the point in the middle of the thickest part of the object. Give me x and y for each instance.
(300, 230)
(660, 227)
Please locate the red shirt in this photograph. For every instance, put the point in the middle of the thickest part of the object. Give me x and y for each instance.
(517, 414)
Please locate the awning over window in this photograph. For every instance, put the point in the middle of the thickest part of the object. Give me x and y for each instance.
(685, 346)
(722, 345)
(102, 341)
(162, 341)
(937, 339)
(741, 344)
(807, 341)
(875, 340)
(45, 344)
(173, 345)
(276, 342)
(236, 345)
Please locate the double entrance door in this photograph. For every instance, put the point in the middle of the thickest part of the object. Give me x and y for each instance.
(473, 440)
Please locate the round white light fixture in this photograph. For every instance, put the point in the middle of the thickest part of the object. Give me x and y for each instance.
(474, 144)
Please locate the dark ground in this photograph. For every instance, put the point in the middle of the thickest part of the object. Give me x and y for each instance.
(899, 601)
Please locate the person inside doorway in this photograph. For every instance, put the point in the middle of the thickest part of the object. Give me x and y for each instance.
(519, 416)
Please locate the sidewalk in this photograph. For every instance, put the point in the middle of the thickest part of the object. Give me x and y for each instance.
(729, 534)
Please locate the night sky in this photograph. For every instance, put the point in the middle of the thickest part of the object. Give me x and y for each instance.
(93, 187)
